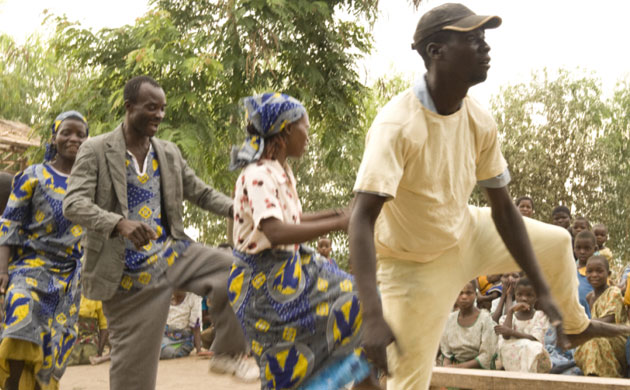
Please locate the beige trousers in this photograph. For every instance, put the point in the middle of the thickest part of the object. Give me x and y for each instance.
(418, 297)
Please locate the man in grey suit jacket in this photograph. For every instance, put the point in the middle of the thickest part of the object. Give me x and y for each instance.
(127, 189)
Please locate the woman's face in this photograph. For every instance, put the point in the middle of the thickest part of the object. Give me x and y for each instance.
(298, 137)
(69, 137)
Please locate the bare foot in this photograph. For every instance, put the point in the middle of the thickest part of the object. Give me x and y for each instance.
(94, 360)
(598, 329)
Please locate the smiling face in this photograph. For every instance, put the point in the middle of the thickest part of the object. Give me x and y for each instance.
(466, 297)
(298, 137)
(584, 248)
(69, 137)
(464, 57)
(147, 112)
(597, 271)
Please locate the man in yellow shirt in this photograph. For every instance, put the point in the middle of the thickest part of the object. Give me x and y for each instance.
(425, 152)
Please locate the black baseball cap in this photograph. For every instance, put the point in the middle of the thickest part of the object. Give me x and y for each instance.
(452, 17)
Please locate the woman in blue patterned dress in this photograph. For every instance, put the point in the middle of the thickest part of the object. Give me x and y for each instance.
(40, 266)
(300, 313)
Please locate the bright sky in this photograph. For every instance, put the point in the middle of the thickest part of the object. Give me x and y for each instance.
(534, 34)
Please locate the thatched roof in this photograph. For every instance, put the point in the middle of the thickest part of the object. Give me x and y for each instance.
(17, 134)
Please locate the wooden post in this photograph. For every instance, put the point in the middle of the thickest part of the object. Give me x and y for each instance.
(507, 380)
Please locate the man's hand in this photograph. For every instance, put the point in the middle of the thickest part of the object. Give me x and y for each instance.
(548, 306)
(377, 335)
(139, 233)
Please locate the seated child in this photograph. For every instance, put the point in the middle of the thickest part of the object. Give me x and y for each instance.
(525, 206)
(601, 234)
(324, 247)
(489, 290)
(562, 361)
(92, 334)
(584, 246)
(182, 333)
(522, 331)
(469, 340)
(508, 282)
(603, 356)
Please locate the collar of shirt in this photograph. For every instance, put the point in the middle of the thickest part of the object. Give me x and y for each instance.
(147, 159)
(421, 91)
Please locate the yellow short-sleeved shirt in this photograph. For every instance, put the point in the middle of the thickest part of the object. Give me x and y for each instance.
(428, 164)
(93, 309)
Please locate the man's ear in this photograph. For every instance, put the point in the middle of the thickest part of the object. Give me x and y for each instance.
(434, 50)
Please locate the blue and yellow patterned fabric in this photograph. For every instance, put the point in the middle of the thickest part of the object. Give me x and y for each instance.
(43, 295)
(142, 267)
(299, 312)
(269, 113)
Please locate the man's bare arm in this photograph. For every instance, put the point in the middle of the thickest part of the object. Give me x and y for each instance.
(511, 228)
(377, 334)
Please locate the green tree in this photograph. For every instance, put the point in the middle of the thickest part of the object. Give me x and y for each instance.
(614, 169)
(548, 129)
(566, 144)
(209, 54)
(35, 85)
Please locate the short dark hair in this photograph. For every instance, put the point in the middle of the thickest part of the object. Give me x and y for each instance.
(130, 93)
(561, 209)
(586, 234)
(600, 258)
(439, 37)
(525, 282)
(522, 198)
(582, 218)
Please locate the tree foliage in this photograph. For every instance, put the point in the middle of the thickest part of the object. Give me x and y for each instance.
(34, 83)
(614, 170)
(209, 54)
(566, 144)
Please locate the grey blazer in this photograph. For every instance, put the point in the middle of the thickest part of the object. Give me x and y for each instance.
(96, 199)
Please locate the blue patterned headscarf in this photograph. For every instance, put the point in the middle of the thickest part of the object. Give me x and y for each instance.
(51, 151)
(269, 113)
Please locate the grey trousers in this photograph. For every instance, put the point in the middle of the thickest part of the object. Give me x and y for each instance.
(136, 319)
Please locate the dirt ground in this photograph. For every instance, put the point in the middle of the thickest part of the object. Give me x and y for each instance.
(176, 374)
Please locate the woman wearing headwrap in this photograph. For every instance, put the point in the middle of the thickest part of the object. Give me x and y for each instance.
(40, 254)
(300, 313)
